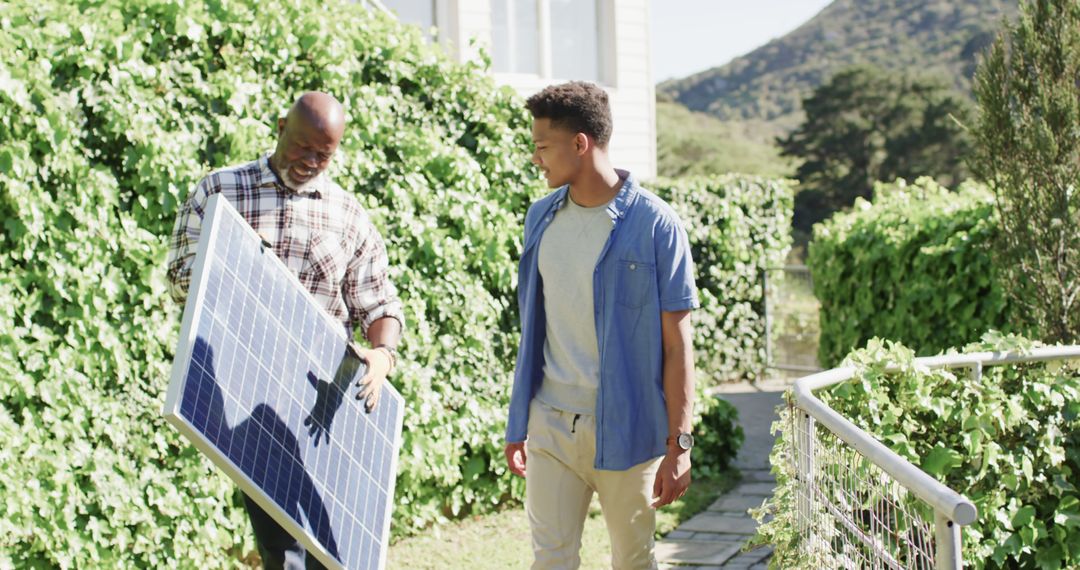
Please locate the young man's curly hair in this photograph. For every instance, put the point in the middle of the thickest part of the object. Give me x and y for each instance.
(577, 106)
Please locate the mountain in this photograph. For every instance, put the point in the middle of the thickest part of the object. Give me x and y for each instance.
(689, 143)
(937, 37)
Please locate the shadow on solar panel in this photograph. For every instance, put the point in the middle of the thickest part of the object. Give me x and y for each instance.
(261, 385)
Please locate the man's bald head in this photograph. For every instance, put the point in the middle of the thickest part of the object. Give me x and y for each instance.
(321, 111)
(308, 136)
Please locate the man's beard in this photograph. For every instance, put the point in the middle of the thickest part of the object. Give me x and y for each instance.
(306, 186)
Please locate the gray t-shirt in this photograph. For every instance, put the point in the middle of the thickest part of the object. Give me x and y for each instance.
(569, 250)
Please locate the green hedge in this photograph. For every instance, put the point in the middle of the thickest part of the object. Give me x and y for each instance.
(915, 267)
(738, 226)
(110, 111)
(1009, 442)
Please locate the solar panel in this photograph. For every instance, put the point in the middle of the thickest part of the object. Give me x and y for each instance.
(263, 384)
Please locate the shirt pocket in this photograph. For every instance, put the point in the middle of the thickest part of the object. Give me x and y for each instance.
(635, 283)
(325, 262)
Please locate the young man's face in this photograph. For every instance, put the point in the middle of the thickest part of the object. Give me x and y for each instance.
(557, 151)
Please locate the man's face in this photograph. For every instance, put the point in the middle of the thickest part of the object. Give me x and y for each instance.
(556, 152)
(304, 152)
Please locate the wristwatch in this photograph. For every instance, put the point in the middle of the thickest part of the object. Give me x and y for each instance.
(391, 351)
(684, 440)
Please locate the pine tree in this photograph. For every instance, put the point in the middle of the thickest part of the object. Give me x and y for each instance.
(1027, 139)
(867, 125)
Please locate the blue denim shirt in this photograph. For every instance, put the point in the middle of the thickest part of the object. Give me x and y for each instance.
(644, 268)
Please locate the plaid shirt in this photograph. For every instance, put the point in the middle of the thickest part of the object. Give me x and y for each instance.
(323, 235)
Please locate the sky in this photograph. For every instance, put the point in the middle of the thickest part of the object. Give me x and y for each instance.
(693, 35)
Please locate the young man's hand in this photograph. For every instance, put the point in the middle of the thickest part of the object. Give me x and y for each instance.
(672, 478)
(515, 457)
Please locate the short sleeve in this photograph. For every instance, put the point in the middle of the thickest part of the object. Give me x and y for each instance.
(674, 267)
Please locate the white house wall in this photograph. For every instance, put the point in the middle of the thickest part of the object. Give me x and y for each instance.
(628, 73)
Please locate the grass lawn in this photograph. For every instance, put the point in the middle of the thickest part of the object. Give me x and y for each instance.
(502, 541)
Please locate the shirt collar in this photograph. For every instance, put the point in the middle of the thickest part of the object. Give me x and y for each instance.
(267, 177)
(617, 207)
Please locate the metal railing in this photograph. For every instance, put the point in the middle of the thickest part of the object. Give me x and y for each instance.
(860, 505)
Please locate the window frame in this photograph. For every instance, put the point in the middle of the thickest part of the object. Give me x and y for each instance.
(605, 45)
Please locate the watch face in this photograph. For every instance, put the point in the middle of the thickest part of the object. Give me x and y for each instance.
(686, 441)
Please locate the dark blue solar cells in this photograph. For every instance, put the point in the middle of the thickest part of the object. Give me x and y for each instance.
(268, 381)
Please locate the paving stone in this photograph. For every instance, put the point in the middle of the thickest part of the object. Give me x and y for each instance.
(736, 503)
(744, 560)
(758, 476)
(709, 521)
(762, 489)
(679, 534)
(695, 551)
(713, 539)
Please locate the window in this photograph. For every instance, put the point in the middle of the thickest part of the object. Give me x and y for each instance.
(417, 12)
(575, 45)
(515, 36)
(552, 39)
(424, 14)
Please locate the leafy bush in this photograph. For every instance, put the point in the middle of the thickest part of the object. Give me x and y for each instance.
(914, 266)
(717, 437)
(1010, 443)
(110, 111)
(738, 227)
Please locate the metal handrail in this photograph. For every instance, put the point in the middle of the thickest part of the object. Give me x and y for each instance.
(955, 507)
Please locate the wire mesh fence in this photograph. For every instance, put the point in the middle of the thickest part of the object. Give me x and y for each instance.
(852, 514)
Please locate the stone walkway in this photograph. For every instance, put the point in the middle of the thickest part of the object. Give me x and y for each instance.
(714, 538)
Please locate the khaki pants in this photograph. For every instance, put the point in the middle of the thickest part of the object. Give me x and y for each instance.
(559, 483)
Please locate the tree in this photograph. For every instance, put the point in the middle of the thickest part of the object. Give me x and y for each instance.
(1027, 147)
(866, 125)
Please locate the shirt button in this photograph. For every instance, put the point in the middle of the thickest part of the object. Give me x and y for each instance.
(633, 267)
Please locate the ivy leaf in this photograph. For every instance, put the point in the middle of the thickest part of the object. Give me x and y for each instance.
(1050, 558)
(1023, 517)
(941, 460)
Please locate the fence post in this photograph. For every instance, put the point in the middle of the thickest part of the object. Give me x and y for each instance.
(947, 553)
(807, 444)
(768, 322)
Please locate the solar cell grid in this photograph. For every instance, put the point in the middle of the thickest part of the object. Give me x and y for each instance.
(262, 384)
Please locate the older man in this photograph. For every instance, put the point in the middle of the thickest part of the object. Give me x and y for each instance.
(324, 236)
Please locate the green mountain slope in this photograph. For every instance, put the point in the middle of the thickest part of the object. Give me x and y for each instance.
(939, 37)
(689, 143)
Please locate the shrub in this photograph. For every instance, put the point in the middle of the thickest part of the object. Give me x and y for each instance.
(717, 437)
(914, 266)
(1010, 443)
(110, 111)
(738, 226)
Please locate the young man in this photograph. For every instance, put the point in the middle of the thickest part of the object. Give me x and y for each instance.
(604, 384)
(324, 236)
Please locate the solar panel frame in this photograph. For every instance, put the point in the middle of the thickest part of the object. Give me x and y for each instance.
(217, 208)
